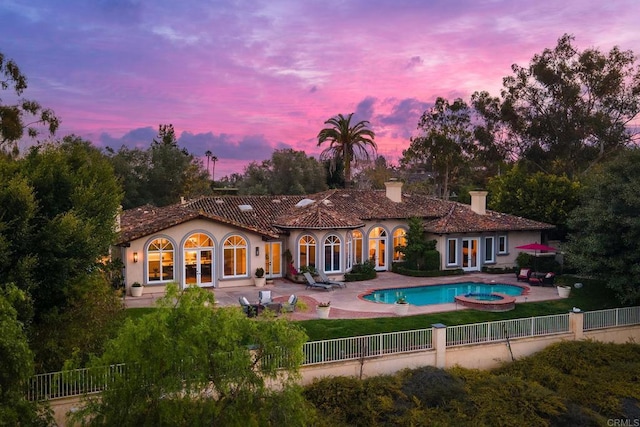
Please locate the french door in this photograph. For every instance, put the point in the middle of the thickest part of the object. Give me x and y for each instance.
(198, 267)
(273, 261)
(377, 248)
(470, 254)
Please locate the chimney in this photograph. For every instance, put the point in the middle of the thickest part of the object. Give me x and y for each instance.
(479, 202)
(394, 190)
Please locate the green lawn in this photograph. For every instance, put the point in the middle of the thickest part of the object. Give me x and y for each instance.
(593, 295)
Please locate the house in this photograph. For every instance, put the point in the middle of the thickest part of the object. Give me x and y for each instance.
(219, 241)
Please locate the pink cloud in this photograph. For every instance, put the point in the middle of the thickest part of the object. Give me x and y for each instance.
(243, 79)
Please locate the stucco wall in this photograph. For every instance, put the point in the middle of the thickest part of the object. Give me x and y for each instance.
(135, 272)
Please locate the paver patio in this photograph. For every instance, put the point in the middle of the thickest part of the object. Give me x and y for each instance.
(347, 304)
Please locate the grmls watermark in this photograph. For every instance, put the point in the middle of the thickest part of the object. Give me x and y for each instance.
(623, 422)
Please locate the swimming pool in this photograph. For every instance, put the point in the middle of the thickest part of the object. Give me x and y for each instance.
(440, 294)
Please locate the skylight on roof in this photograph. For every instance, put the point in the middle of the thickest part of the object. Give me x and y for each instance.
(303, 203)
(245, 208)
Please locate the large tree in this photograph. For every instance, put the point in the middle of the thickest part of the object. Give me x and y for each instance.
(347, 142)
(189, 363)
(22, 114)
(161, 174)
(16, 362)
(604, 239)
(445, 144)
(566, 111)
(539, 196)
(58, 207)
(287, 172)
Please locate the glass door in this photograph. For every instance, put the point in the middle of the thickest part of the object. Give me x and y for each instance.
(470, 255)
(198, 267)
(273, 259)
(377, 248)
(198, 260)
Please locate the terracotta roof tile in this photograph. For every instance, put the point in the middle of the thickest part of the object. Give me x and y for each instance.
(273, 215)
(317, 215)
(461, 219)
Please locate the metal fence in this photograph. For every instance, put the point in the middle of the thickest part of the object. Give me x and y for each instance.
(92, 380)
(366, 346)
(77, 382)
(601, 319)
(507, 329)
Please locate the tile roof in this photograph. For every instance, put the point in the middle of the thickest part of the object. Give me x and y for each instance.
(461, 219)
(270, 216)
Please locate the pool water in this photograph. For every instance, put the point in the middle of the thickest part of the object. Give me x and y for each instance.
(440, 294)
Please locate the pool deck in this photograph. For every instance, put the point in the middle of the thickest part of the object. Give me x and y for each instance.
(346, 302)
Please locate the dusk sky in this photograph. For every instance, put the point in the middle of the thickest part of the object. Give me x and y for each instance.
(242, 78)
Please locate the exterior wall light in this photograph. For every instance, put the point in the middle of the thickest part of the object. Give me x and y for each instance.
(257, 250)
(135, 257)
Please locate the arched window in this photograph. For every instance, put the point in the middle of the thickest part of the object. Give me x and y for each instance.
(399, 239)
(332, 254)
(307, 251)
(160, 258)
(235, 257)
(357, 247)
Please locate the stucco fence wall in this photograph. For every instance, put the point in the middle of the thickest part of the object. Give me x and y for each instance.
(473, 356)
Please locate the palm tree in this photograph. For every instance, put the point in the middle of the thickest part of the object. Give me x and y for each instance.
(208, 153)
(214, 159)
(350, 143)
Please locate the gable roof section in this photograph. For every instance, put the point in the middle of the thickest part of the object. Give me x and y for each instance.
(319, 215)
(270, 216)
(461, 219)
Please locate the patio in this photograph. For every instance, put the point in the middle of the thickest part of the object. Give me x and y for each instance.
(346, 304)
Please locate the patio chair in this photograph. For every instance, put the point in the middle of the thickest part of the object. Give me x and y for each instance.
(325, 279)
(311, 283)
(245, 304)
(264, 297)
(290, 305)
(549, 279)
(524, 274)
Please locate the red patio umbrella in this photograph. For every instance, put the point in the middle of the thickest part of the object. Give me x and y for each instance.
(535, 247)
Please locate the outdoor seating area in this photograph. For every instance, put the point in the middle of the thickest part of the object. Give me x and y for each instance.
(265, 301)
(536, 278)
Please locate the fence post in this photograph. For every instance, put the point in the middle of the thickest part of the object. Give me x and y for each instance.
(440, 344)
(576, 323)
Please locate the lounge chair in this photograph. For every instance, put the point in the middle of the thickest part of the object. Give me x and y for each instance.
(264, 297)
(290, 305)
(542, 279)
(311, 283)
(325, 279)
(524, 274)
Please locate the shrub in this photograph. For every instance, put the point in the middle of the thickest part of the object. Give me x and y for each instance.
(307, 269)
(364, 271)
(432, 386)
(401, 268)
